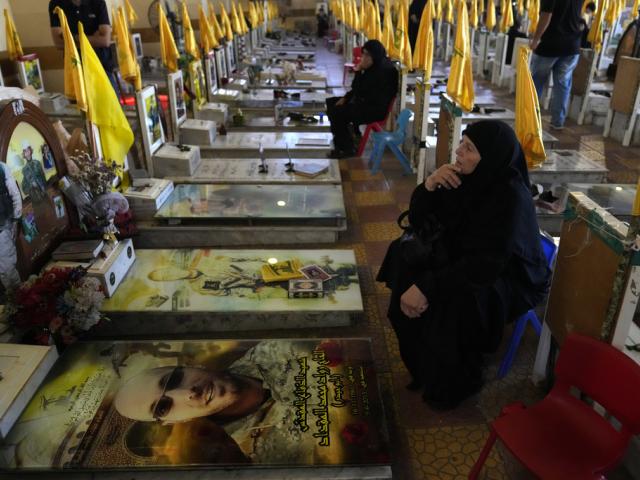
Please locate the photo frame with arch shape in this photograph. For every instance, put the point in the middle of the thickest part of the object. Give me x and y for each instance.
(211, 73)
(221, 65)
(197, 84)
(177, 104)
(29, 72)
(150, 125)
(30, 147)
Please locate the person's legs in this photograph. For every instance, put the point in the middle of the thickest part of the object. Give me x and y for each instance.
(340, 119)
(562, 77)
(540, 71)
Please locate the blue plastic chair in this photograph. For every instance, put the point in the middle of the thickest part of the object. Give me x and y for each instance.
(549, 248)
(393, 140)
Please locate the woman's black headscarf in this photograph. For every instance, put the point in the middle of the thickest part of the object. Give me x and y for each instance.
(376, 50)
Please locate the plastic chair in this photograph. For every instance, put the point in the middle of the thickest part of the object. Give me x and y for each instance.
(549, 248)
(562, 436)
(350, 66)
(393, 140)
(376, 127)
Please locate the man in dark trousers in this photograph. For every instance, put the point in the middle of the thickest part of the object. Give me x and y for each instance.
(95, 19)
(374, 86)
(556, 48)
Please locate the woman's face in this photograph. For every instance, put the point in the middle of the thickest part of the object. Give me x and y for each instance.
(467, 156)
(366, 61)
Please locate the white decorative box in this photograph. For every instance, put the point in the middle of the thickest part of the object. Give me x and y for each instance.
(146, 201)
(110, 271)
(198, 132)
(225, 95)
(53, 102)
(216, 112)
(239, 84)
(169, 160)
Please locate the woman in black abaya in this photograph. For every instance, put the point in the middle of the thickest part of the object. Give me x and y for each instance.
(374, 86)
(486, 266)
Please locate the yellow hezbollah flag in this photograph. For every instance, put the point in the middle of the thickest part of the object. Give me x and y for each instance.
(491, 15)
(520, 7)
(449, 17)
(595, 33)
(129, 67)
(235, 21)
(217, 30)
(507, 16)
(534, 15)
(14, 47)
(376, 20)
(132, 17)
(243, 18)
(226, 23)
(423, 54)
(460, 84)
(104, 109)
(168, 50)
(473, 14)
(480, 7)
(207, 39)
(387, 32)
(406, 57)
(528, 122)
(190, 44)
(73, 78)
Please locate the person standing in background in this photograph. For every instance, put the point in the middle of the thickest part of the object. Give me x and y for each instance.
(415, 14)
(95, 19)
(556, 48)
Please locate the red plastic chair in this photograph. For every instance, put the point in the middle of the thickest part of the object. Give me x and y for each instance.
(349, 66)
(376, 127)
(563, 437)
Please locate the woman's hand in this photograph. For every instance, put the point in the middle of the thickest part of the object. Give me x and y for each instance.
(413, 303)
(446, 176)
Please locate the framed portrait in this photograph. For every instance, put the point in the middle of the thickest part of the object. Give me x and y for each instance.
(211, 74)
(230, 58)
(29, 72)
(221, 64)
(150, 125)
(177, 105)
(137, 45)
(197, 84)
(32, 152)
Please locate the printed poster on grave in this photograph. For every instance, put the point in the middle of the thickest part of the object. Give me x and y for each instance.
(295, 403)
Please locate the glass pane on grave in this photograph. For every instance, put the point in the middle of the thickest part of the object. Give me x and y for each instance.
(254, 201)
(208, 280)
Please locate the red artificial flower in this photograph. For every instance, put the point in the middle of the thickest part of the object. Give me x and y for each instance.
(355, 433)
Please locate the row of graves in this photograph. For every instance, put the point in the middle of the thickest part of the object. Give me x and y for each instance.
(239, 161)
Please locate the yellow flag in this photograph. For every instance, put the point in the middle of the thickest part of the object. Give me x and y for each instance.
(243, 18)
(190, 44)
(207, 38)
(132, 17)
(528, 122)
(595, 32)
(610, 16)
(449, 16)
(217, 30)
(168, 50)
(473, 14)
(73, 78)
(104, 109)
(520, 7)
(507, 16)
(460, 83)
(423, 54)
(407, 57)
(376, 19)
(388, 37)
(226, 23)
(634, 9)
(491, 15)
(235, 21)
(129, 68)
(14, 47)
(534, 15)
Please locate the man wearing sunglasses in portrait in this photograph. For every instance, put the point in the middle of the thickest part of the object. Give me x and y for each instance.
(252, 401)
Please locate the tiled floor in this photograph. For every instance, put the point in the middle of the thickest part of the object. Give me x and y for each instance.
(426, 444)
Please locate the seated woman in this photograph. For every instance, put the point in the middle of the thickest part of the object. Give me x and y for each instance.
(374, 86)
(483, 265)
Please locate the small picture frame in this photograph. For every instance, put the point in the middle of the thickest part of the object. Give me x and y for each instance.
(221, 65)
(150, 124)
(29, 72)
(137, 45)
(197, 84)
(177, 104)
(230, 57)
(211, 74)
